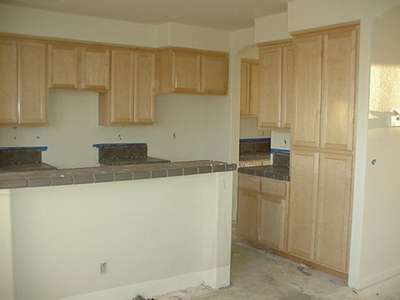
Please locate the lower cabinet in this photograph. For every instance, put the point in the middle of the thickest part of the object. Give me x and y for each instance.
(262, 211)
(320, 205)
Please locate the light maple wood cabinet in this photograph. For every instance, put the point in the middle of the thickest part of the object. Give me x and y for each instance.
(333, 215)
(9, 83)
(303, 203)
(23, 92)
(263, 211)
(192, 71)
(131, 97)
(276, 85)
(325, 89)
(249, 85)
(78, 67)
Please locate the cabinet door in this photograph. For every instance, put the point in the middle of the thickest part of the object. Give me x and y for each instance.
(308, 69)
(254, 87)
(186, 72)
(334, 203)
(244, 88)
(95, 68)
(273, 221)
(63, 66)
(32, 88)
(288, 86)
(144, 87)
(269, 112)
(338, 89)
(214, 74)
(303, 203)
(122, 81)
(8, 83)
(247, 215)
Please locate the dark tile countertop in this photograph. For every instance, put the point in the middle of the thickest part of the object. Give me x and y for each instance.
(147, 160)
(103, 173)
(26, 167)
(247, 157)
(267, 171)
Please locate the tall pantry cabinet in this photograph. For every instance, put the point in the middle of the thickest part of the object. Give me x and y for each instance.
(322, 150)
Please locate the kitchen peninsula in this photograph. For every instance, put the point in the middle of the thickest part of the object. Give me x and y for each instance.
(154, 212)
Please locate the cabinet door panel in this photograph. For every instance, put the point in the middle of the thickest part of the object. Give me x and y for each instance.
(334, 202)
(269, 112)
(32, 88)
(186, 72)
(338, 89)
(288, 86)
(95, 68)
(308, 69)
(247, 215)
(121, 94)
(214, 74)
(8, 83)
(254, 89)
(63, 66)
(144, 90)
(244, 88)
(272, 222)
(303, 203)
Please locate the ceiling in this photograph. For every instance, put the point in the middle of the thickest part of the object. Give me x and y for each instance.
(222, 14)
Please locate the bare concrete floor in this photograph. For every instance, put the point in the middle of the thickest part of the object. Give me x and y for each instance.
(257, 275)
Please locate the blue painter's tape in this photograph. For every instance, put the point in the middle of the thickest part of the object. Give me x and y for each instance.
(33, 148)
(116, 145)
(277, 150)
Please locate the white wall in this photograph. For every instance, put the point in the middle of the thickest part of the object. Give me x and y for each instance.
(6, 254)
(271, 28)
(382, 206)
(156, 235)
(280, 139)
(201, 123)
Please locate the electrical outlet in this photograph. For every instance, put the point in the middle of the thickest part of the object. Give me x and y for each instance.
(103, 268)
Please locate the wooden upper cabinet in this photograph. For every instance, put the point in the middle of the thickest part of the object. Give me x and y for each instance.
(270, 105)
(144, 87)
(63, 64)
(308, 63)
(122, 79)
(214, 74)
(131, 96)
(338, 89)
(8, 83)
(32, 88)
(191, 71)
(303, 203)
(186, 72)
(288, 86)
(334, 206)
(95, 68)
(249, 85)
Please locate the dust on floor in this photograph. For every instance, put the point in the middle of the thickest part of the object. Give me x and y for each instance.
(259, 275)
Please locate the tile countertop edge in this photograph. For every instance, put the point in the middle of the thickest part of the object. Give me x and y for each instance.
(62, 177)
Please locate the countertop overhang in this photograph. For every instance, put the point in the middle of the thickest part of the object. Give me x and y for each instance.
(12, 180)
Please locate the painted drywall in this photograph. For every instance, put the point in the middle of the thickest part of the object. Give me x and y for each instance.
(73, 129)
(271, 28)
(146, 230)
(201, 123)
(381, 218)
(248, 128)
(6, 253)
(174, 34)
(280, 139)
(24, 20)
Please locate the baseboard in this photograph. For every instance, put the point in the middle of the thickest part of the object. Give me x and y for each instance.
(378, 278)
(215, 278)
